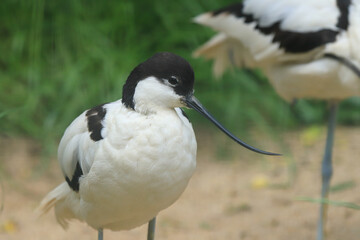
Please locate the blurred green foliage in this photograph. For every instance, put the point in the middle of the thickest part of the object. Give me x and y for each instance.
(59, 58)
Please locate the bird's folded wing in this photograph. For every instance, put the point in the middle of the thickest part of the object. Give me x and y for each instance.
(76, 150)
(267, 29)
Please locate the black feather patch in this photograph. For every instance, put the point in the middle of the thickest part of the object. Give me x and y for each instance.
(298, 42)
(94, 120)
(291, 41)
(343, 21)
(162, 65)
(74, 182)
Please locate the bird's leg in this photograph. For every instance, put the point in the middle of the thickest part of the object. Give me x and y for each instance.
(293, 102)
(327, 169)
(100, 234)
(231, 56)
(151, 229)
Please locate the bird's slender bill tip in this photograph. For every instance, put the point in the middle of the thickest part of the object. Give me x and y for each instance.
(191, 102)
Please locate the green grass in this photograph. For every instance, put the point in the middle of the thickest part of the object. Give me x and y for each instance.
(59, 58)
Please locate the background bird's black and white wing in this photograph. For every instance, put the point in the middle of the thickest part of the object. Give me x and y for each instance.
(256, 32)
(79, 143)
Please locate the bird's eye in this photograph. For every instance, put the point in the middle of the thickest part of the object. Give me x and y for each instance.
(173, 80)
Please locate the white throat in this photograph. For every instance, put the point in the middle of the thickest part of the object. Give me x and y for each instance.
(151, 95)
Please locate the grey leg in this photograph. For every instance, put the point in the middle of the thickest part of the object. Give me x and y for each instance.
(327, 170)
(151, 229)
(100, 234)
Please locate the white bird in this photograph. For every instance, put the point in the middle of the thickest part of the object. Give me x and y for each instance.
(307, 49)
(125, 161)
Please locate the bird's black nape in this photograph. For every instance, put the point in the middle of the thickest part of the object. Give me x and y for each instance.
(162, 65)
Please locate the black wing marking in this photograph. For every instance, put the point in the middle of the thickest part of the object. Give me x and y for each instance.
(343, 21)
(74, 182)
(290, 41)
(94, 120)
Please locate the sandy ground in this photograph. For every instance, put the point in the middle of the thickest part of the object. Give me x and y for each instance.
(242, 198)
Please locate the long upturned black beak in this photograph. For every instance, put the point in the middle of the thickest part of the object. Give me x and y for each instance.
(193, 103)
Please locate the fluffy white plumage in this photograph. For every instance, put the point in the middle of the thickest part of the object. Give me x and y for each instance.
(305, 16)
(138, 165)
(302, 74)
(141, 166)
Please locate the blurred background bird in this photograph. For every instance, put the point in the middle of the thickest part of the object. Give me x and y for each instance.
(307, 49)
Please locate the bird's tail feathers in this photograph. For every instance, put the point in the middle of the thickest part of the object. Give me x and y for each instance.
(51, 200)
(225, 52)
(203, 19)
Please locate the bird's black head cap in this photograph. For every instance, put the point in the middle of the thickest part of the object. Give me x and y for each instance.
(164, 66)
